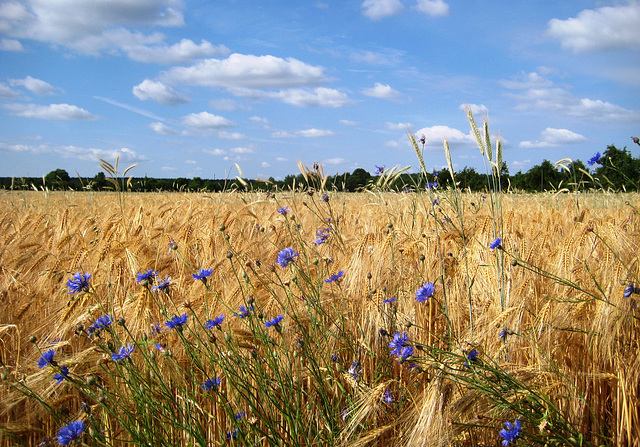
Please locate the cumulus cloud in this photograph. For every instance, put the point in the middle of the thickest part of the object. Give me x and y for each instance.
(318, 97)
(89, 26)
(349, 122)
(606, 28)
(283, 134)
(248, 71)
(10, 45)
(37, 86)
(52, 112)
(81, 153)
(435, 134)
(433, 8)
(159, 92)
(382, 91)
(551, 137)
(379, 9)
(179, 53)
(206, 120)
(242, 150)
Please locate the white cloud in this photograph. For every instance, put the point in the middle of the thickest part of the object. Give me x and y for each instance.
(379, 9)
(206, 120)
(382, 91)
(282, 134)
(564, 103)
(7, 93)
(435, 134)
(242, 70)
(81, 153)
(34, 85)
(554, 137)
(89, 26)
(433, 8)
(242, 150)
(397, 126)
(179, 53)
(216, 152)
(52, 112)
(259, 120)
(318, 97)
(334, 161)
(349, 122)
(163, 129)
(607, 28)
(169, 168)
(526, 80)
(133, 109)
(264, 164)
(282, 159)
(476, 109)
(10, 45)
(315, 133)
(231, 135)
(159, 92)
(386, 57)
(226, 104)
(191, 162)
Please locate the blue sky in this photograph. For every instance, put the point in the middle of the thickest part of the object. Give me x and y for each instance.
(190, 88)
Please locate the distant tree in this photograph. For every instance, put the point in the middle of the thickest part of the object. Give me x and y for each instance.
(358, 179)
(58, 179)
(619, 170)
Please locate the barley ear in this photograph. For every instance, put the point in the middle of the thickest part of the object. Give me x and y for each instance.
(414, 143)
(474, 129)
(447, 153)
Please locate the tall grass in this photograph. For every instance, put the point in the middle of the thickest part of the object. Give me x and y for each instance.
(537, 330)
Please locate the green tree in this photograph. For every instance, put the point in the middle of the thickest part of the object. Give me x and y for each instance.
(358, 179)
(619, 169)
(58, 179)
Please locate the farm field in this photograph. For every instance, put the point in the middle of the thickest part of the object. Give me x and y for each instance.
(298, 318)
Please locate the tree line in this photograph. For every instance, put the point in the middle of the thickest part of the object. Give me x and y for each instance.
(615, 169)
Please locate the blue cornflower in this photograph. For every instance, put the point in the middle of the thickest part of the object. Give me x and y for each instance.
(334, 277)
(424, 292)
(380, 169)
(389, 300)
(286, 257)
(233, 434)
(386, 396)
(284, 210)
(497, 243)
(147, 277)
(46, 358)
(399, 341)
(79, 283)
(335, 357)
(275, 322)
(162, 285)
(217, 321)
(63, 374)
(433, 185)
(123, 353)
(321, 236)
(630, 289)
(471, 357)
(70, 433)
(595, 159)
(177, 322)
(325, 198)
(202, 274)
(101, 323)
(354, 370)
(503, 334)
(511, 432)
(240, 415)
(211, 384)
(156, 328)
(244, 312)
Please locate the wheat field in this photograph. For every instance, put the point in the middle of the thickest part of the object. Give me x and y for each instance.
(556, 286)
